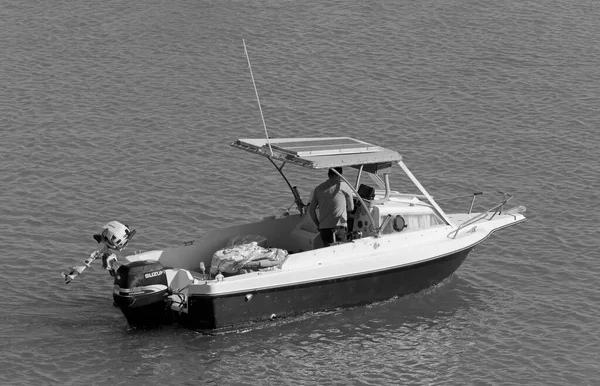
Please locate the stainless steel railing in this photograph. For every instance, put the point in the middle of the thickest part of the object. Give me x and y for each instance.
(493, 211)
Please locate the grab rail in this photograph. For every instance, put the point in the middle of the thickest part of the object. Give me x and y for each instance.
(496, 209)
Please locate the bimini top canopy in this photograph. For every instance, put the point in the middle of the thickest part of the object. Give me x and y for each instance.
(321, 153)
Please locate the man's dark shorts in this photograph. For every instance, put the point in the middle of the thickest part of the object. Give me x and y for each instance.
(328, 233)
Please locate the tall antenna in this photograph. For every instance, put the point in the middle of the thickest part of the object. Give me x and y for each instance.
(257, 98)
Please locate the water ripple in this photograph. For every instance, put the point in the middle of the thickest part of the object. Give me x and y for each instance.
(124, 111)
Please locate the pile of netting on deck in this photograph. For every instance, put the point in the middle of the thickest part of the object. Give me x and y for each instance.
(244, 254)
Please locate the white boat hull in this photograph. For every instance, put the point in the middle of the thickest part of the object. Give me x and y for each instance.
(350, 274)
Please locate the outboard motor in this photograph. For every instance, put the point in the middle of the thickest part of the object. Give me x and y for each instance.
(140, 291)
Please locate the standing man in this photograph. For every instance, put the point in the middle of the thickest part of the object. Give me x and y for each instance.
(334, 199)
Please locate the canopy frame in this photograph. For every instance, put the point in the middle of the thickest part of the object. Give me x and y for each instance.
(328, 153)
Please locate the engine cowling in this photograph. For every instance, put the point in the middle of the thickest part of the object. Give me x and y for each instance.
(140, 289)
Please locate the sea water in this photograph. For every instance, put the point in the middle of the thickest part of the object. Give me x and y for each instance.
(125, 110)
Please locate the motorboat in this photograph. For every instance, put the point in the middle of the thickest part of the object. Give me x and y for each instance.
(397, 243)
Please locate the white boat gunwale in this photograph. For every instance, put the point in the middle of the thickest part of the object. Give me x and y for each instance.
(345, 268)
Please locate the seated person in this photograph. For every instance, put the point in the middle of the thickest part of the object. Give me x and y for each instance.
(334, 199)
